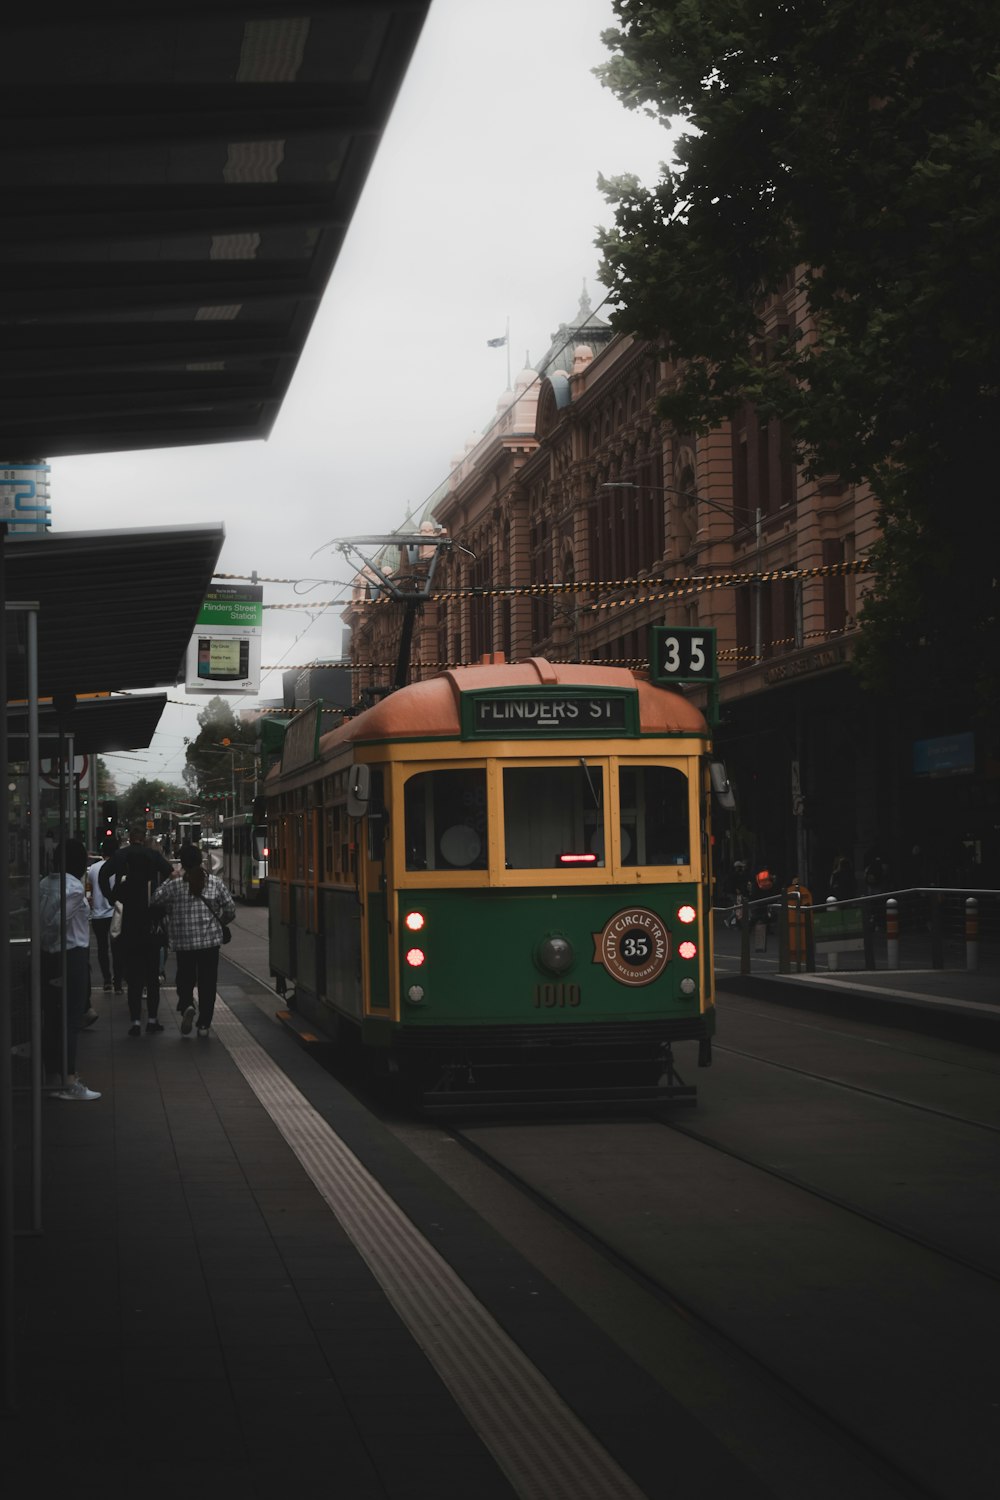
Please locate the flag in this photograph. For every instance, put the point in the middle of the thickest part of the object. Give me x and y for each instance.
(496, 343)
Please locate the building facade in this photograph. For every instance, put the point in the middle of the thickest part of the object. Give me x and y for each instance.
(579, 520)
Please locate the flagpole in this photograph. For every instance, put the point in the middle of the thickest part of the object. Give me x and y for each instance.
(507, 336)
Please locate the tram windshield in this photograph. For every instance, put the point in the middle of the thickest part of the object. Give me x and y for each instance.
(653, 816)
(550, 812)
(553, 816)
(445, 814)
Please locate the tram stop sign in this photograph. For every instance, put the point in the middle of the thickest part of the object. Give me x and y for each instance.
(681, 653)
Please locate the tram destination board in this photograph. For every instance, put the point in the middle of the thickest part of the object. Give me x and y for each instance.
(543, 714)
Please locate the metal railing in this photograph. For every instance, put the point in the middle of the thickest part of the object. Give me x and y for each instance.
(944, 925)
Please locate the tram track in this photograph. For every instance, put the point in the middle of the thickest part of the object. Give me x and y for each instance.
(857, 1088)
(883, 1464)
(834, 1200)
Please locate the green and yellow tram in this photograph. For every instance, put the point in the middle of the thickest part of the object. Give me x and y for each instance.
(498, 881)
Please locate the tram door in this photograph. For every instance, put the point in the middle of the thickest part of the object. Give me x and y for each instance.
(375, 901)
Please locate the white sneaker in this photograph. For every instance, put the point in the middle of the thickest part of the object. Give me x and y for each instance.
(187, 1021)
(77, 1090)
(203, 1031)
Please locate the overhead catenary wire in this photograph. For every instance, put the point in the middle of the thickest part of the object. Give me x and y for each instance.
(693, 583)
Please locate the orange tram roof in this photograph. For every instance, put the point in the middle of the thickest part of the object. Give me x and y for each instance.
(430, 709)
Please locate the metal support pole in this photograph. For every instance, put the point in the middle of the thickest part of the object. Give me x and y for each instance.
(61, 872)
(892, 933)
(868, 934)
(784, 957)
(971, 934)
(6, 1066)
(34, 878)
(758, 645)
(937, 932)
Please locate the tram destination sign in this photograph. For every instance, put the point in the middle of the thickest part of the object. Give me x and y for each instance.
(546, 714)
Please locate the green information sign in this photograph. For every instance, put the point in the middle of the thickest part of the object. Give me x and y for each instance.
(238, 605)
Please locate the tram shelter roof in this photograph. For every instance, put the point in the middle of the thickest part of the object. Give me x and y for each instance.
(180, 178)
(98, 725)
(116, 610)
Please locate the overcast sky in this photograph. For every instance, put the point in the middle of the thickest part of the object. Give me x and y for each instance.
(482, 204)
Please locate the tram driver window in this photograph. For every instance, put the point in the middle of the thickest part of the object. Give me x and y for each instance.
(445, 816)
(550, 812)
(653, 816)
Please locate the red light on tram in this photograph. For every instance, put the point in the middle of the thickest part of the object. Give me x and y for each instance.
(265, 853)
(686, 914)
(415, 957)
(687, 949)
(414, 920)
(578, 859)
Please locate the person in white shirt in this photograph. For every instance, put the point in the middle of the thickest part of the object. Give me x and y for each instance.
(100, 920)
(56, 1016)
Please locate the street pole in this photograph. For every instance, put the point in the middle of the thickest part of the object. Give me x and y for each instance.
(758, 594)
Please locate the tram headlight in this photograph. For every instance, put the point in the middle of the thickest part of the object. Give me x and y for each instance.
(415, 957)
(687, 949)
(415, 994)
(687, 986)
(414, 920)
(686, 914)
(555, 954)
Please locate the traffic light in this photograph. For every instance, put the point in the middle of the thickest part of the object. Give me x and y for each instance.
(109, 827)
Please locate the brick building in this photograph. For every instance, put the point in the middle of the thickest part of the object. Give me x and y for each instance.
(577, 482)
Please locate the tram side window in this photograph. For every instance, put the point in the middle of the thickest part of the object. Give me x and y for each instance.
(550, 812)
(445, 818)
(654, 821)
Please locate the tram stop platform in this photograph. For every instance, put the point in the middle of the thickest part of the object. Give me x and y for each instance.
(949, 999)
(243, 1283)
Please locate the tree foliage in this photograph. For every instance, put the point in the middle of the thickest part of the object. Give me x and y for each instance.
(222, 756)
(158, 795)
(850, 148)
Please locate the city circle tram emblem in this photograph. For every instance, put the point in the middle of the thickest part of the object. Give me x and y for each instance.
(633, 947)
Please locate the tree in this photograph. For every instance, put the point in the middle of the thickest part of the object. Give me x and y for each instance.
(223, 755)
(156, 795)
(849, 148)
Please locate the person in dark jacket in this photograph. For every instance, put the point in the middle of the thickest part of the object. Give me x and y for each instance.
(842, 883)
(131, 876)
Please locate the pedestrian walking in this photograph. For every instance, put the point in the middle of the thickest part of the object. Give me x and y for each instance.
(63, 1013)
(101, 912)
(131, 876)
(198, 908)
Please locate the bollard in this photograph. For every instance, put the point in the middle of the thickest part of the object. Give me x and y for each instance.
(937, 931)
(745, 936)
(784, 961)
(832, 958)
(892, 933)
(972, 934)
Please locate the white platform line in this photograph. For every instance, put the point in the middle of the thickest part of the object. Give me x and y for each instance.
(538, 1442)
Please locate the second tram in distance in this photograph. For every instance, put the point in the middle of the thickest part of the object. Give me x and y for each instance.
(244, 857)
(498, 881)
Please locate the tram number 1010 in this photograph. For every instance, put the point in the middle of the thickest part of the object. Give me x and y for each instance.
(556, 996)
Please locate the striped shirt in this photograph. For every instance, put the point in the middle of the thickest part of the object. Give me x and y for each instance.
(195, 921)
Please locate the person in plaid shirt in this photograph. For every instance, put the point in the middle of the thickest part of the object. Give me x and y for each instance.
(197, 905)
